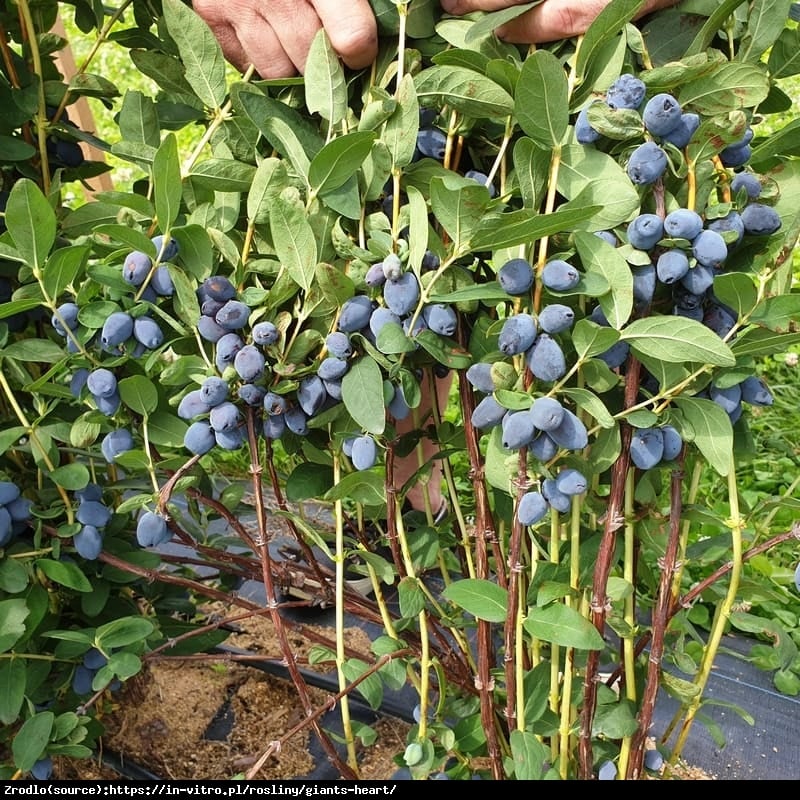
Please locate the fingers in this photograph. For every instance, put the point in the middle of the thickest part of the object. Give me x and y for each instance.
(352, 29)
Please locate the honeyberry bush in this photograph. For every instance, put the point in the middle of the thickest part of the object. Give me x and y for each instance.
(590, 239)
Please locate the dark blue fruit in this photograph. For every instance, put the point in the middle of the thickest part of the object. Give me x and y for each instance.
(93, 512)
(115, 443)
(265, 333)
(709, 248)
(480, 377)
(398, 407)
(671, 266)
(728, 398)
(607, 771)
(161, 281)
(616, 355)
(274, 426)
(275, 404)
(147, 332)
(136, 268)
(375, 275)
(647, 447)
(218, 287)
(199, 438)
(760, 220)
(101, 382)
(719, 319)
(560, 276)
(517, 429)
(364, 452)
(432, 142)
(82, 680)
(584, 132)
(571, 481)
(644, 285)
(151, 530)
(532, 507)
(168, 251)
(647, 164)
(338, 344)
(517, 334)
(249, 363)
(332, 368)
(673, 443)
(213, 391)
(233, 315)
(748, 182)
(682, 133)
(231, 439)
(251, 394)
(542, 447)
(108, 405)
(555, 318)
(88, 542)
(117, 328)
(224, 417)
(355, 313)
(661, 114)
(570, 433)
(683, 223)
(380, 317)
(402, 295)
(545, 358)
(546, 413)
(43, 768)
(557, 499)
(653, 760)
(311, 394)
(627, 91)
(65, 318)
(698, 279)
(192, 405)
(296, 420)
(756, 392)
(227, 348)
(645, 231)
(210, 330)
(487, 413)
(516, 276)
(440, 318)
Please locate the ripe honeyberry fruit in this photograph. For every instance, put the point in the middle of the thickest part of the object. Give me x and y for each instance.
(311, 394)
(233, 315)
(265, 333)
(682, 133)
(92, 491)
(584, 132)
(375, 275)
(756, 392)
(136, 267)
(616, 355)
(338, 344)
(440, 318)
(644, 284)
(517, 334)
(355, 313)
(380, 317)
(251, 394)
(170, 250)
(364, 452)
(227, 348)
(93, 659)
(728, 397)
(516, 276)
(560, 276)
(542, 447)
(296, 420)
(653, 760)
(709, 248)
(532, 507)
(161, 281)
(398, 407)
(760, 220)
(151, 530)
(82, 680)
(698, 279)
(671, 266)
(93, 512)
(249, 363)
(274, 426)
(9, 491)
(517, 430)
(480, 377)
(147, 332)
(673, 443)
(555, 318)
(737, 154)
(275, 404)
(210, 330)
(402, 295)
(683, 223)
(570, 433)
(545, 358)
(224, 417)
(101, 382)
(719, 319)
(66, 316)
(108, 405)
(229, 440)
(432, 142)
(487, 413)
(332, 368)
(115, 443)
(546, 413)
(192, 405)
(661, 114)
(607, 771)
(42, 769)
(571, 481)
(117, 328)
(647, 164)
(213, 391)
(557, 499)
(748, 182)
(78, 381)
(217, 287)
(88, 542)
(483, 179)
(627, 91)
(19, 509)
(645, 231)
(647, 447)
(199, 438)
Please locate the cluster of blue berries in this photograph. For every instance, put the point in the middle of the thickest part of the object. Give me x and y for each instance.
(15, 512)
(93, 515)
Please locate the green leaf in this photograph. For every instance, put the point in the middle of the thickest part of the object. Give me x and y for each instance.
(411, 597)
(402, 127)
(12, 688)
(294, 241)
(13, 148)
(365, 487)
(371, 687)
(712, 431)
(677, 340)
(65, 573)
(444, 350)
(541, 99)
(758, 342)
(167, 180)
(200, 52)
(122, 632)
(41, 351)
(73, 476)
(268, 182)
(138, 120)
(325, 87)
(471, 93)
(608, 24)
(765, 21)
(615, 721)
(30, 221)
(737, 290)
(13, 576)
(166, 430)
(600, 257)
(307, 481)
(31, 739)
(12, 622)
(778, 313)
(224, 174)
(338, 160)
(529, 755)
(459, 206)
(131, 237)
(481, 598)
(564, 626)
(590, 339)
(592, 404)
(362, 394)
(139, 394)
(731, 86)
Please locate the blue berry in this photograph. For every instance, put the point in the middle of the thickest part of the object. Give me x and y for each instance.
(683, 223)
(440, 318)
(136, 268)
(760, 220)
(199, 438)
(88, 542)
(296, 420)
(709, 248)
(170, 249)
(364, 452)
(67, 315)
(647, 447)
(480, 377)
(517, 334)
(487, 414)
(115, 443)
(224, 417)
(402, 295)
(545, 358)
(517, 430)
(101, 382)
(546, 413)
(151, 530)
(560, 276)
(661, 114)
(147, 332)
(117, 328)
(532, 508)
(555, 497)
(748, 182)
(627, 91)
(193, 405)
(584, 132)
(249, 363)
(355, 313)
(645, 231)
(555, 318)
(233, 315)
(682, 133)
(571, 481)
(432, 142)
(516, 276)
(265, 333)
(647, 164)
(218, 287)
(671, 266)
(339, 345)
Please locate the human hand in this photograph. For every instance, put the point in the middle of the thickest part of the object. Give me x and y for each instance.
(548, 21)
(275, 35)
